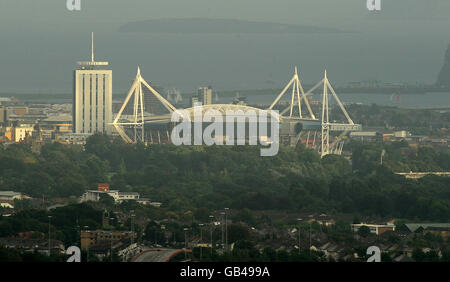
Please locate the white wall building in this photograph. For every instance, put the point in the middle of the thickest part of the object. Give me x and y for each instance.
(20, 132)
(119, 197)
(374, 228)
(11, 196)
(74, 138)
(92, 101)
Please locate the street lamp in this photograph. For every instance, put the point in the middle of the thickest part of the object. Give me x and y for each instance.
(111, 240)
(201, 239)
(49, 240)
(223, 235)
(87, 243)
(226, 229)
(132, 227)
(310, 224)
(185, 242)
(210, 229)
(163, 228)
(299, 219)
(79, 232)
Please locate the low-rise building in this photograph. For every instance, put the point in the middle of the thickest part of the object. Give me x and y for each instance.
(325, 220)
(27, 242)
(155, 204)
(119, 197)
(11, 196)
(73, 138)
(144, 201)
(101, 237)
(22, 131)
(6, 205)
(442, 229)
(374, 228)
(366, 135)
(331, 250)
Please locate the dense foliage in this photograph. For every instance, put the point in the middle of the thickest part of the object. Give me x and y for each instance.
(192, 177)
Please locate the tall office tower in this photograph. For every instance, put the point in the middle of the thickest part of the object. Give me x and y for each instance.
(205, 95)
(92, 99)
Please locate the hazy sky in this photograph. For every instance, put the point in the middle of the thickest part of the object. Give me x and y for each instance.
(40, 42)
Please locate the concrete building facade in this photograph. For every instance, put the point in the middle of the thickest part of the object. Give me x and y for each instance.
(92, 100)
(374, 228)
(205, 95)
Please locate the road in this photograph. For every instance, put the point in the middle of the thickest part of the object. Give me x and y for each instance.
(157, 255)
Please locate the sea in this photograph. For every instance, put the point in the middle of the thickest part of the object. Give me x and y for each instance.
(430, 100)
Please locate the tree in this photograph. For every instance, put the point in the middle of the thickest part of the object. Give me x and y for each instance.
(23, 204)
(237, 232)
(244, 215)
(9, 255)
(244, 245)
(153, 233)
(202, 214)
(107, 200)
(364, 231)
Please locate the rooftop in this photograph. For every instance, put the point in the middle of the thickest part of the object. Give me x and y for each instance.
(373, 225)
(9, 193)
(128, 193)
(414, 226)
(104, 192)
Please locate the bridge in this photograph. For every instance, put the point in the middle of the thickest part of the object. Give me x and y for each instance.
(417, 175)
(135, 114)
(158, 255)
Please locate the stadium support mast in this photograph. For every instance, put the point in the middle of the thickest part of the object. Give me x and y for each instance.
(138, 114)
(337, 145)
(325, 148)
(297, 93)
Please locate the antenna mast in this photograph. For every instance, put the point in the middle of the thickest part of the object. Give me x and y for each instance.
(92, 63)
(92, 48)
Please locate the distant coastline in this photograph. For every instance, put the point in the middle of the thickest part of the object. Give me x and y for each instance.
(221, 26)
(394, 90)
(267, 91)
(438, 98)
